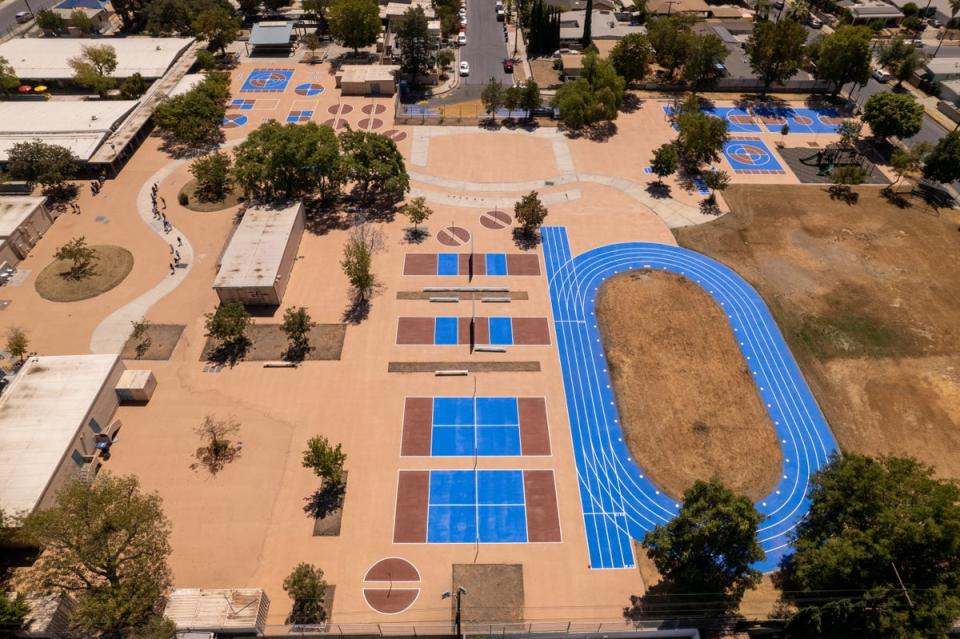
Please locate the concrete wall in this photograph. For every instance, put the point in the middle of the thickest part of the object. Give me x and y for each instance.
(102, 411)
(18, 245)
(289, 255)
(385, 88)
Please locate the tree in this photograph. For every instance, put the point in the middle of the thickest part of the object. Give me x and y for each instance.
(893, 114)
(715, 180)
(80, 254)
(357, 266)
(81, 21)
(530, 212)
(849, 132)
(252, 7)
(593, 97)
(703, 66)
(670, 38)
(943, 163)
(530, 99)
(665, 161)
(587, 38)
(218, 448)
(228, 324)
(512, 98)
(317, 8)
(374, 164)
(140, 334)
(707, 549)
(14, 611)
(844, 177)
(92, 68)
(631, 57)
(492, 97)
(413, 38)
(297, 324)
(445, 58)
(50, 21)
(282, 161)
(218, 26)
(305, 585)
(194, 118)
(212, 173)
(701, 136)
(544, 27)
(177, 16)
(354, 23)
(777, 51)
(133, 87)
(908, 161)
(325, 460)
(311, 42)
(881, 541)
(844, 56)
(49, 165)
(107, 544)
(8, 78)
(17, 342)
(417, 212)
(901, 57)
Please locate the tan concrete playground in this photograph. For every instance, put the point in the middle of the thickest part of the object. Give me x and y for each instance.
(247, 526)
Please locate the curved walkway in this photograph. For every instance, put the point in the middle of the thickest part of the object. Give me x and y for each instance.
(112, 333)
(672, 212)
(618, 501)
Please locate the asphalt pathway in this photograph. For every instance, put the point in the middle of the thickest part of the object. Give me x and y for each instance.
(486, 46)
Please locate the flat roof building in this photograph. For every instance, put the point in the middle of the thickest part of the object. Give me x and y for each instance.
(271, 36)
(604, 25)
(867, 11)
(46, 59)
(255, 268)
(23, 221)
(50, 415)
(367, 79)
(222, 611)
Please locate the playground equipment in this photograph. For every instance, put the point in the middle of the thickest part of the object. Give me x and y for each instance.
(833, 156)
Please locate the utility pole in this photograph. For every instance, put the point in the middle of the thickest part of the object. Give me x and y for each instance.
(460, 592)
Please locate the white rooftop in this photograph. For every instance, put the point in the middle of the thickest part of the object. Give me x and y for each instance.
(14, 209)
(81, 126)
(256, 249)
(40, 413)
(943, 66)
(46, 58)
(217, 609)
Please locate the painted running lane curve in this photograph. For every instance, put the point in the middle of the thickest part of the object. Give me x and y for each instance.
(619, 502)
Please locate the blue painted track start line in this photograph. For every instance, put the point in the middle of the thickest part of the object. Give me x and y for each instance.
(619, 502)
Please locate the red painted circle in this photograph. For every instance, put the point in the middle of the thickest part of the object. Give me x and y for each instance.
(373, 109)
(453, 236)
(495, 219)
(371, 124)
(340, 123)
(391, 585)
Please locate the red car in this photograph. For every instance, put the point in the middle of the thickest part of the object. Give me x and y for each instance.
(508, 66)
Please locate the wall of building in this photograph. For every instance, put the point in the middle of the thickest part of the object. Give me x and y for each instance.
(289, 255)
(102, 411)
(18, 245)
(249, 295)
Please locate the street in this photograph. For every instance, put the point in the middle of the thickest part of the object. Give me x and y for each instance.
(486, 47)
(10, 9)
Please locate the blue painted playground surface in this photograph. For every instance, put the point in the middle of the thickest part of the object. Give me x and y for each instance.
(750, 156)
(619, 502)
(233, 120)
(267, 80)
(449, 264)
(446, 331)
(309, 89)
(467, 506)
(770, 119)
(298, 116)
(467, 426)
(242, 104)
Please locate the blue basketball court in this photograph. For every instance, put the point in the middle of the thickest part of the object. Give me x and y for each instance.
(446, 331)
(467, 426)
(299, 116)
(242, 104)
(467, 506)
(800, 119)
(750, 155)
(738, 120)
(267, 81)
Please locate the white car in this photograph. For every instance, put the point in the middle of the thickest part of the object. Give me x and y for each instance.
(463, 11)
(463, 21)
(23, 17)
(880, 75)
(464, 68)
(461, 38)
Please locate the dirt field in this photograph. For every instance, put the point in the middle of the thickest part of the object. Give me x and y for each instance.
(196, 203)
(494, 592)
(113, 264)
(269, 342)
(159, 341)
(685, 350)
(864, 295)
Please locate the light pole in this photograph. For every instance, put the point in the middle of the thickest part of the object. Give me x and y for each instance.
(460, 592)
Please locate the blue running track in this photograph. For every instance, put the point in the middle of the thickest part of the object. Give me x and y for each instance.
(618, 501)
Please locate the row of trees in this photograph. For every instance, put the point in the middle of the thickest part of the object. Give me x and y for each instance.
(525, 97)
(194, 118)
(544, 28)
(877, 554)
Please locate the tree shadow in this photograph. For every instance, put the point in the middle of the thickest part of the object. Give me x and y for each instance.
(896, 198)
(59, 195)
(844, 193)
(631, 103)
(526, 239)
(320, 219)
(416, 235)
(230, 352)
(326, 500)
(184, 151)
(358, 309)
(710, 208)
(658, 191)
(297, 352)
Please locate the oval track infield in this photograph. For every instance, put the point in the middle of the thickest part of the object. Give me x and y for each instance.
(618, 500)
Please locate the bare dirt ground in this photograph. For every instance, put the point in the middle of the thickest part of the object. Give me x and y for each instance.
(864, 295)
(269, 342)
(667, 342)
(203, 205)
(159, 342)
(495, 592)
(113, 264)
(544, 73)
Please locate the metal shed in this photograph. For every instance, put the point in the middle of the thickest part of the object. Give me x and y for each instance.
(227, 611)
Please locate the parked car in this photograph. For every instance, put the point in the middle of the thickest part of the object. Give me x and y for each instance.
(508, 66)
(23, 16)
(880, 75)
(814, 22)
(500, 14)
(464, 68)
(462, 38)
(463, 11)
(463, 21)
